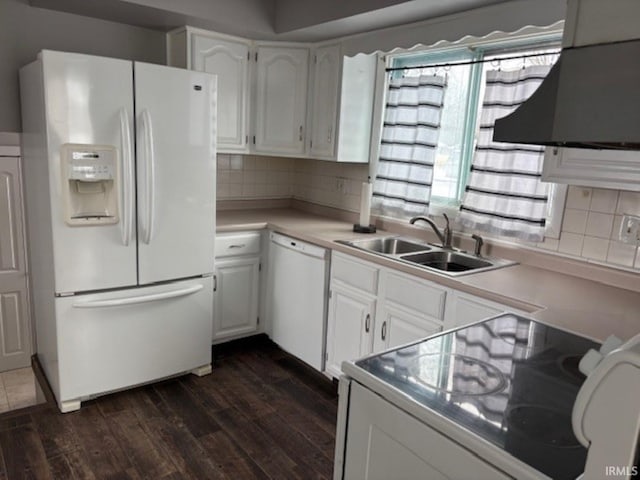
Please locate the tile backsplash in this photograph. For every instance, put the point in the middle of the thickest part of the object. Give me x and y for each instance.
(325, 183)
(591, 225)
(253, 176)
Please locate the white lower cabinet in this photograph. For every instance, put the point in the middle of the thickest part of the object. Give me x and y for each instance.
(395, 326)
(236, 286)
(373, 308)
(350, 329)
(463, 309)
(384, 442)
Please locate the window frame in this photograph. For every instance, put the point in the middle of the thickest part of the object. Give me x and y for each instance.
(479, 49)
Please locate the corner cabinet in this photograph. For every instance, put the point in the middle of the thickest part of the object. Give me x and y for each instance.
(281, 99)
(592, 168)
(229, 59)
(236, 285)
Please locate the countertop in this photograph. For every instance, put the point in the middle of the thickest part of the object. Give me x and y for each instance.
(577, 304)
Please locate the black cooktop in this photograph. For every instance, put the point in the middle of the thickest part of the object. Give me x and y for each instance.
(510, 380)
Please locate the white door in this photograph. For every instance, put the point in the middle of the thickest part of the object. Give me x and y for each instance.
(324, 111)
(229, 60)
(15, 331)
(176, 172)
(88, 100)
(281, 99)
(350, 327)
(235, 301)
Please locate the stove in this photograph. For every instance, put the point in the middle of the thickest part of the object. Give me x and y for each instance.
(510, 380)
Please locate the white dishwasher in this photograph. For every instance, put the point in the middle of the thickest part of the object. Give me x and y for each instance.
(298, 283)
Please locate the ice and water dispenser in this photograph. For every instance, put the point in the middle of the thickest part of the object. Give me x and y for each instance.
(90, 184)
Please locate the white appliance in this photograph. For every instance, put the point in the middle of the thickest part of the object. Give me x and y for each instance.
(297, 312)
(606, 414)
(119, 161)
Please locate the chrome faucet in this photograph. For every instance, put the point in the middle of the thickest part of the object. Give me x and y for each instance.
(445, 236)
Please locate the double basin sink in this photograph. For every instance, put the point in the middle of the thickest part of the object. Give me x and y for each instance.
(430, 257)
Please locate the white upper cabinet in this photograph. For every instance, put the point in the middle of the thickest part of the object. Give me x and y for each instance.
(228, 58)
(592, 168)
(281, 100)
(284, 99)
(324, 101)
(342, 105)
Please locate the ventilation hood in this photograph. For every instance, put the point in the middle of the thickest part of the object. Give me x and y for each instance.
(591, 96)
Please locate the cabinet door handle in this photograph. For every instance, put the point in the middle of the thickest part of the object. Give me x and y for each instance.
(215, 283)
(329, 134)
(300, 133)
(241, 245)
(384, 330)
(367, 323)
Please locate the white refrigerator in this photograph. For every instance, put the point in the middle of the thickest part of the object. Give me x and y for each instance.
(119, 171)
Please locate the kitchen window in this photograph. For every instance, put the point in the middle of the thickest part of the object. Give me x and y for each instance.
(425, 166)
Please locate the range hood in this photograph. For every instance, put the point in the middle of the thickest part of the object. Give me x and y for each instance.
(591, 96)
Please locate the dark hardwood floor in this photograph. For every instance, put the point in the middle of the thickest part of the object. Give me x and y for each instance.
(260, 414)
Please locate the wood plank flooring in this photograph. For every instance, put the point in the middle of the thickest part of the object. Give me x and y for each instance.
(260, 414)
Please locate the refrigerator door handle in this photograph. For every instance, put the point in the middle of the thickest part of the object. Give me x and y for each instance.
(117, 302)
(149, 174)
(127, 176)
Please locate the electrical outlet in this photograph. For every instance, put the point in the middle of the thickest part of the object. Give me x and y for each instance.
(630, 229)
(341, 185)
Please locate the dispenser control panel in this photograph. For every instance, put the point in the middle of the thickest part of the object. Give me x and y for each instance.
(91, 166)
(90, 184)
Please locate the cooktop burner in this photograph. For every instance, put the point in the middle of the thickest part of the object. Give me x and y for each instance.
(471, 376)
(510, 380)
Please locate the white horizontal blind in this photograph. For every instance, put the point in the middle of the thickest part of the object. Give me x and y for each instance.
(410, 133)
(504, 194)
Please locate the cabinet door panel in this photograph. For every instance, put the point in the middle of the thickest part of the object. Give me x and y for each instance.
(229, 61)
(326, 84)
(395, 327)
(281, 99)
(236, 297)
(350, 326)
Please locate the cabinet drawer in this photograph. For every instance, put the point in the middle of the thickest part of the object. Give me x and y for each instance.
(233, 244)
(418, 295)
(355, 273)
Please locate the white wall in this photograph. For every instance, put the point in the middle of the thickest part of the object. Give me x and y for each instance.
(25, 30)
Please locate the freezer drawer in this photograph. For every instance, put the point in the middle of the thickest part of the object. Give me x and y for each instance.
(110, 341)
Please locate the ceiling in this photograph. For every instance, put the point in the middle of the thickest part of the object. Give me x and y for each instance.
(292, 20)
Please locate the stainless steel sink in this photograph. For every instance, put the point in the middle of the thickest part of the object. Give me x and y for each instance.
(448, 261)
(389, 245)
(429, 257)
